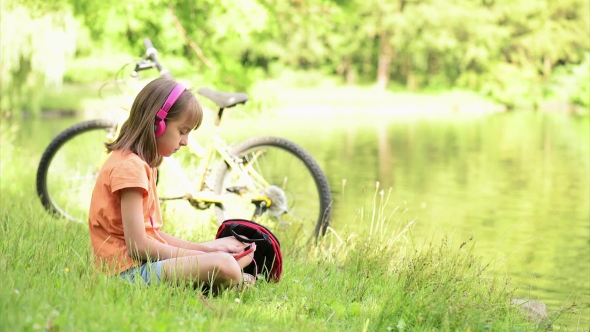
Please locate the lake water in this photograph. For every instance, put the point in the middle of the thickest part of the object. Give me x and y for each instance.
(517, 183)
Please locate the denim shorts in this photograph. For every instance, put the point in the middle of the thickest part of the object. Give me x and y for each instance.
(148, 272)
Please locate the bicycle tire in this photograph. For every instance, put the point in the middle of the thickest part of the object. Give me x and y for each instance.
(289, 162)
(68, 168)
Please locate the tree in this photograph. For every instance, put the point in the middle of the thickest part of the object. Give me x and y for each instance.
(35, 48)
(507, 49)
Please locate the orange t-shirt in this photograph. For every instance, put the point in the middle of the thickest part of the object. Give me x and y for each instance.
(123, 169)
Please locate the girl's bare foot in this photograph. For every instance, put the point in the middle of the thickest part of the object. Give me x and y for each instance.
(248, 281)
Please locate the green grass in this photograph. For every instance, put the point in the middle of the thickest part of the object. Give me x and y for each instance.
(48, 281)
(384, 281)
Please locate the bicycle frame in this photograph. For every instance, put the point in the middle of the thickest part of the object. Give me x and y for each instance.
(275, 177)
(194, 190)
(215, 144)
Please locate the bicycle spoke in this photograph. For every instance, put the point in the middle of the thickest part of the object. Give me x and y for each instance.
(293, 181)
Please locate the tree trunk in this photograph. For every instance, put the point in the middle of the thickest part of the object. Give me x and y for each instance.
(410, 76)
(546, 67)
(411, 80)
(350, 75)
(384, 60)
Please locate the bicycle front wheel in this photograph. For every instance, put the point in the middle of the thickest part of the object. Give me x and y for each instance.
(69, 166)
(300, 196)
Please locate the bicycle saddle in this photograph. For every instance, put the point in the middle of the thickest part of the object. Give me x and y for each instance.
(224, 99)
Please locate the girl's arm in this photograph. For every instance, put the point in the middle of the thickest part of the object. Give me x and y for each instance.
(139, 245)
(180, 243)
(206, 247)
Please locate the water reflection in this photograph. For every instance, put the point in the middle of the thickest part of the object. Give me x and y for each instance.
(518, 183)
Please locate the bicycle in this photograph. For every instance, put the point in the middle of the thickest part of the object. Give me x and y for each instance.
(267, 179)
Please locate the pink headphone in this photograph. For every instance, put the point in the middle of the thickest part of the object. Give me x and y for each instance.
(163, 112)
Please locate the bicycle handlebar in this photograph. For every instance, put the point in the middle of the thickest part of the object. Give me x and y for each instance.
(151, 54)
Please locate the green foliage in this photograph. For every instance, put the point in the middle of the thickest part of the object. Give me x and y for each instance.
(35, 49)
(506, 50)
(581, 91)
(571, 82)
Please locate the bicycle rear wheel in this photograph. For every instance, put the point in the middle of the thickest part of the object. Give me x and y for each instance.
(69, 166)
(292, 174)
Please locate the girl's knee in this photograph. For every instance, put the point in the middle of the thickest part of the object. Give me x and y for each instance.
(228, 269)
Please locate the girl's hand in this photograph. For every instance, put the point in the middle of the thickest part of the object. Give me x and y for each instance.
(246, 251)
(229, 248)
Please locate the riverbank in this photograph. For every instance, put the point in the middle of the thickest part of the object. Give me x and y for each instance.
(316, 99)
(377, 281)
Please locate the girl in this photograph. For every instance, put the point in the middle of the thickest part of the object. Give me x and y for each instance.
(125, 220)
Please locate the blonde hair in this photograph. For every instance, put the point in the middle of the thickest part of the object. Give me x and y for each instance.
(138, 132)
